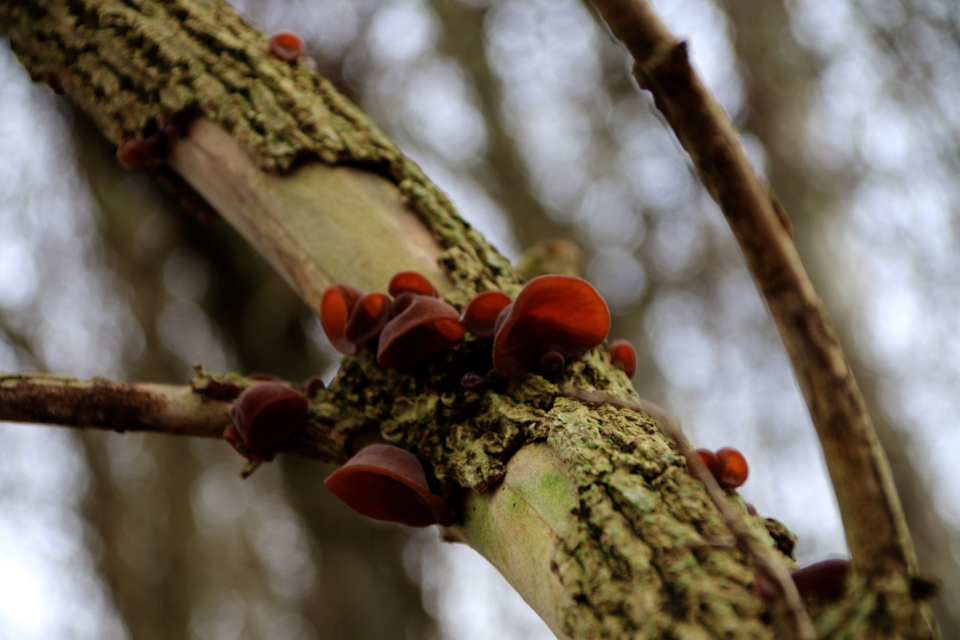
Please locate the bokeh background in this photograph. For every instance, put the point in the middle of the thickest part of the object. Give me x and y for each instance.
(523, 110)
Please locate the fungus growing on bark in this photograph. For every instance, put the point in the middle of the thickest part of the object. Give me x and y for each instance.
(266, 414)
(480, 316)
(311, 386)
(733, 468)
(709, 460)
(367, 318)
(413, 282)
(388, 483)
(422, 327)
(287, 46)
(623, 355)
(134, 152)
(473, 381)
(553, 313)
(337, 302)
(824, 579)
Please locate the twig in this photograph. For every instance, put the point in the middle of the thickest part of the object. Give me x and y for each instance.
(116, 406)
(872, 515)
(763, 558)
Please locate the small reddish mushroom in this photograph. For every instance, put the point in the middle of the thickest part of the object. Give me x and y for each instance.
(553, 313)
(422, 327)
(335, 306)
(733, 468)
(134, 152)
(709, 460)
(480, 316)
(266, 414)
(414, 282)
(388, 483)
(367, 318)
(823, 579)
(287, 46)
(624, 355)
(311, 387)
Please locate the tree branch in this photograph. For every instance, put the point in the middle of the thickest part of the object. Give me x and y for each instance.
(114, 406)
(872, 515)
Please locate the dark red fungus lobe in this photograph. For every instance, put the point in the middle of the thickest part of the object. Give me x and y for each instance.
(623, 355)
(309, 62)
(401, 302)
(335, 306)
(134, 152)
(425, 326)
(268, 413)
(232, 436)
(709, 460)
(311, 387)
(752, 510)
(552, 313)
(551, 364)
(473, 382)
(221, 390)
(823, 579)
(733, 468)
(480, 316)
(367, 318)
(287, 46)
(388, 483)
(413, 282)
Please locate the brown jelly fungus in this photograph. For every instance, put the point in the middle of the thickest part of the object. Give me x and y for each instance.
(287, 46)
(311, 386)
(134, 152)
(335, 306)
(552, 313)
(823, 579)
(623, 355)
(367, 318)
(480, 316)
(709, 460)
(733, 468)
(423, 327)
(268, 413)
(388, 483)
(412, 281)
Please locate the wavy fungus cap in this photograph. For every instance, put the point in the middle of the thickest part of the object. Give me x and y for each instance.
(421, 327)
(388, 483)
(552, 314)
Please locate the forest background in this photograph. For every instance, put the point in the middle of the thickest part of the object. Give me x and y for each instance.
(524, 112)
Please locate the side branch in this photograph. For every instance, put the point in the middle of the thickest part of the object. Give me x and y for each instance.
(115, 406)
(872, 515)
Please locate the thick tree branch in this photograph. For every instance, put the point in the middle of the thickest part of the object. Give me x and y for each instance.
(872, 515)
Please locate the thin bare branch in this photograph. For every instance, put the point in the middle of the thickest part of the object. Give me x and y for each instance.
(763, 558)
(115, 406)
(872, 515)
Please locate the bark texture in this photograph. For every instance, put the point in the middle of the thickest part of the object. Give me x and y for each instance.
(588, 511)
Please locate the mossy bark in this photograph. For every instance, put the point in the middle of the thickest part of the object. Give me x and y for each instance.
(588, 511)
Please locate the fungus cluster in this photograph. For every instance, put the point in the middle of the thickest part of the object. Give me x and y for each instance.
(825, 579)
(153, 149)
(414, 325)
(727, 466)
